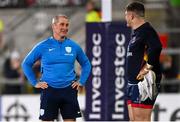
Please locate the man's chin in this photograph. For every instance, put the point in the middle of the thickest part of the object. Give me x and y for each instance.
(64, 35)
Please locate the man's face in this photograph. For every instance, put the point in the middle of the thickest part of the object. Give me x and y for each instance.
(129, 18)
(61, 27)
(89, 7)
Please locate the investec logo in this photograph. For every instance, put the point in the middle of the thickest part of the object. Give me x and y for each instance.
(119, 63)
(96, 77)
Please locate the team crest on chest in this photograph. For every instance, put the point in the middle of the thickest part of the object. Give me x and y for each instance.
(68, 49)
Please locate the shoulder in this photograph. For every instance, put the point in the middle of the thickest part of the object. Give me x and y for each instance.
(43, 43)
(73, 43)
(149, 29)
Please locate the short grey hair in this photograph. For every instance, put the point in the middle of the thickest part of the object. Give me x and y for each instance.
(56, 18)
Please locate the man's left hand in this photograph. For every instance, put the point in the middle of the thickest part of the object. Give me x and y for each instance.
(75, 85)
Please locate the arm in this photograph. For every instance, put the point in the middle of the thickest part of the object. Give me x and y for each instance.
(154, 48)
(28, 62)
(85, 66)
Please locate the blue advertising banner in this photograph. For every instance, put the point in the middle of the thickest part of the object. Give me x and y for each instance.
(0, 109)
(105, 92)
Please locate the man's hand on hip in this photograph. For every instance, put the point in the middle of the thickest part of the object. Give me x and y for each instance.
(143, 71)
(75, 85)
(42, 85)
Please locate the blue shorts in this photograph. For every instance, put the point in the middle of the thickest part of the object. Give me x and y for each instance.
(55, 99)
(133, 97)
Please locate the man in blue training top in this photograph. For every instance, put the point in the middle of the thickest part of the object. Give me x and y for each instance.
(143, 76)
(58, 81)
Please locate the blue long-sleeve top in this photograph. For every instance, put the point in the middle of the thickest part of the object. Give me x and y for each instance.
(57, 62)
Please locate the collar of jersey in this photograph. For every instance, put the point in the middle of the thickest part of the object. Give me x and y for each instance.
(59, 42)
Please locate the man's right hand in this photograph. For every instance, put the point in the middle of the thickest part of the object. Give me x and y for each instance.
(144, 71)
(42, 85)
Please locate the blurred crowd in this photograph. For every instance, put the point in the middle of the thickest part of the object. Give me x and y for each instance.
(93, 13)
(1, 34)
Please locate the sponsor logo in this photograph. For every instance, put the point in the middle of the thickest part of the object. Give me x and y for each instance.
(129, 54)
(41, 112)
(119, 63)
(96, 104)
(16, 111)
(68, 54)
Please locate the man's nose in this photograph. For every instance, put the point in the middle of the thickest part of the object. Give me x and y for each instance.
(64, 27)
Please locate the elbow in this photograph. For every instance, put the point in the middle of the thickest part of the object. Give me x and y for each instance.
(158, 47)
(25, 64)
(87, 64)
(155, 49)
(90, 67)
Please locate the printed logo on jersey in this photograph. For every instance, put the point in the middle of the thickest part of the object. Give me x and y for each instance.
(129, 54)
(68, 49)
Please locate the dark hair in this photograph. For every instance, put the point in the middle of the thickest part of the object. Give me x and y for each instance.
(136, 7)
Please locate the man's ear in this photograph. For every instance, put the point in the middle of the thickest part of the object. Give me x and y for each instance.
(52, 26)
(132, 16)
